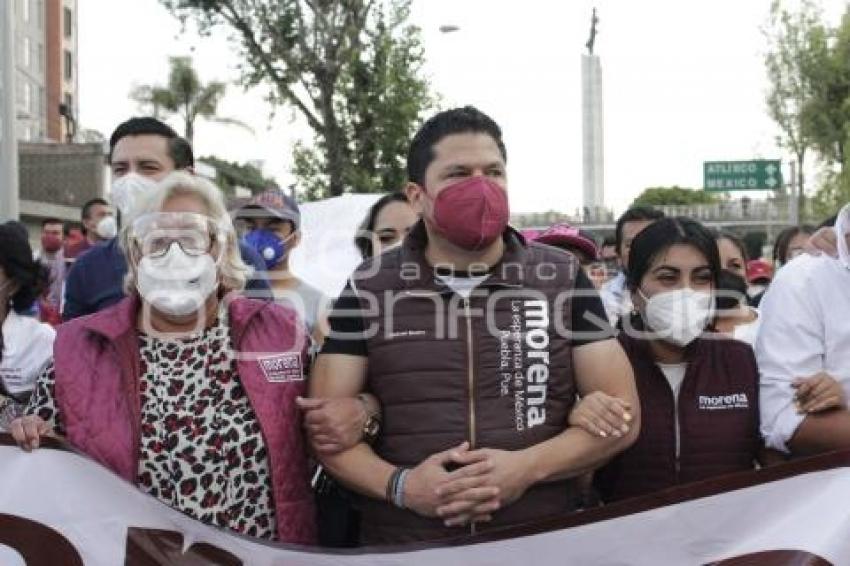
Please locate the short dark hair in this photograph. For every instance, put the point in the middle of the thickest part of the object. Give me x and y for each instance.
(52, 220)
(85, 212)
(19, 266)
(783, 241)
(631, 215)
(455, 121)
(736, 241)
(179, 150)
(609, 241)
(363, 239)
(658, 237)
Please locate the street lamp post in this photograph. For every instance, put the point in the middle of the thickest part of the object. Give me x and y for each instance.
(8, 138)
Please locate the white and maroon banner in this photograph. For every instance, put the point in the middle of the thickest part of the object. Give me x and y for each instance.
(57, 507)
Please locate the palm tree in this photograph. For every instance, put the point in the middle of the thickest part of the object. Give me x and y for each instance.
(185, 97)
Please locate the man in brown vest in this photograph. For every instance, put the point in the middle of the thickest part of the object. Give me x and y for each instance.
(475, 345)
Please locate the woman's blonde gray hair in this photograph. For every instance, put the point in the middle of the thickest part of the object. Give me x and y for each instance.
(232, 270)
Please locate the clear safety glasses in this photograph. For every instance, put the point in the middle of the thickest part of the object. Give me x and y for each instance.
(153, 234)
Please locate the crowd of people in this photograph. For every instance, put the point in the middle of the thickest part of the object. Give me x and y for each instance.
(469, 376)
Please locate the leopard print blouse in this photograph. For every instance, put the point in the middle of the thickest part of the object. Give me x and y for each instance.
(202, 450)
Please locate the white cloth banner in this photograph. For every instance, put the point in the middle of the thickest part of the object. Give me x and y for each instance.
(55, 504)
(327, 255)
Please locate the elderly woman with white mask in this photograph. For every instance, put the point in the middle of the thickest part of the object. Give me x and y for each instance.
(186, 388)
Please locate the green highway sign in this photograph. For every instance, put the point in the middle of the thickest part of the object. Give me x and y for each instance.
(759, 174)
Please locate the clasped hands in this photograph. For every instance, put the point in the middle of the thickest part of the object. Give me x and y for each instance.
(480, 481)
(459, 485)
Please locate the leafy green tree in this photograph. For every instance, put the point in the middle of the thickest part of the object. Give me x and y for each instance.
(675, 195)
(185, 96)
(794, 46)
(833, 194)
(230, 174)
(351, 68)
(827, 111)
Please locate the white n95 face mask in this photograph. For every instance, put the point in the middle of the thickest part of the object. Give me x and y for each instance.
(107, 228)
(679, 316)
(177, 283)
(127, 189)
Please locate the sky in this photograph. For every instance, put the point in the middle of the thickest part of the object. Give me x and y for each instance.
(683, 83)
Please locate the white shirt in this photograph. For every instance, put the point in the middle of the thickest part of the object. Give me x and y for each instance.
(310, 303)
(27, 349)
(616, 298)
(805, 328)
(675, 374)
(748, 332)
(463, 286)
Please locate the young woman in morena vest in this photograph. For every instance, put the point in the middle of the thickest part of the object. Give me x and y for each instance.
(698, 389)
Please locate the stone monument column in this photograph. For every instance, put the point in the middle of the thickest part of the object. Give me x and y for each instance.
(592, 129)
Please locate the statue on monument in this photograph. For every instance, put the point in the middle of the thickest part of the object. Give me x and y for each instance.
(592, 40)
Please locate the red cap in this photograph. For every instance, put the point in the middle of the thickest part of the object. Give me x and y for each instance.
(566, 237)
(759, 269)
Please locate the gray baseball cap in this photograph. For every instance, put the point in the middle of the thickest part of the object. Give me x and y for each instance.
(272, 203)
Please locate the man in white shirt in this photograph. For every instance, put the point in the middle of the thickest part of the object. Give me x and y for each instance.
(615, 297)
(803, 352)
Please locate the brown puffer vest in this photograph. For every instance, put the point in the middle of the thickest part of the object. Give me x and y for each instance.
(718, 416)
(492, 369)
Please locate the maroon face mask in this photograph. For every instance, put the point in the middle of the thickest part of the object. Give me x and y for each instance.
(50, 243)
(472, 213)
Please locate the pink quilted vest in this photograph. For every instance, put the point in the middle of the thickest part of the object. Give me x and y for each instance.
(97, 379)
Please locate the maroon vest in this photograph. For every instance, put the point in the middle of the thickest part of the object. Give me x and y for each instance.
(718, 420)
(492, 370)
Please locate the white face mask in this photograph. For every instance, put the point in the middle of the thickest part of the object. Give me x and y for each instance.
(177, 283)
(679, 316)
(107, 228)
(127, 189)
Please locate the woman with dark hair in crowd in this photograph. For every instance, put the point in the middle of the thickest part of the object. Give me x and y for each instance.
(790, 243)
(733, 253)
(387, 223)
(26, 345)
(698, 391)
(735, 316)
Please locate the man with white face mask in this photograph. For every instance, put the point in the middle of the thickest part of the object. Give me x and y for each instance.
(99, 225)
(99, 221)
(142, 152)
(803, 349)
